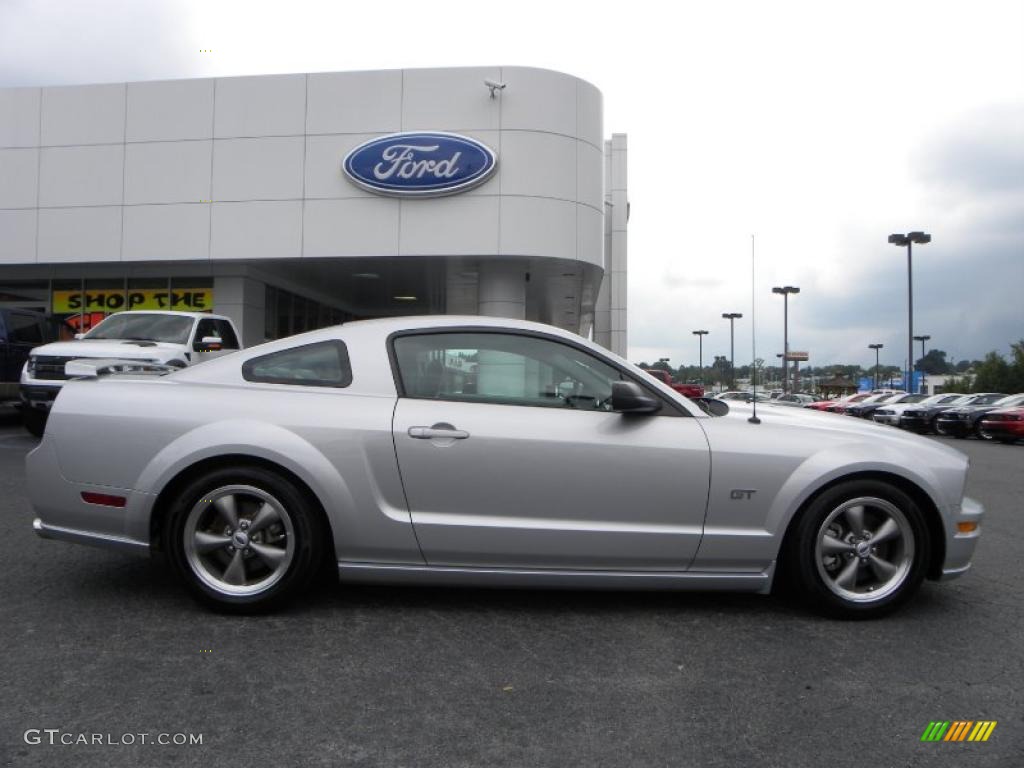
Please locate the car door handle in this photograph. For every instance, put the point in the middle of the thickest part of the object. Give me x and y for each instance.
(438, 430)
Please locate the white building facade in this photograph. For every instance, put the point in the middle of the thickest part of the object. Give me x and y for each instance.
(230, 194)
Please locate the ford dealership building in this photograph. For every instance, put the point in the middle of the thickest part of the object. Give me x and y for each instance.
(290, 202)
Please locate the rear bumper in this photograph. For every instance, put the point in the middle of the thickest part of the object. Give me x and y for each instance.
(61, 513)
(960, 546)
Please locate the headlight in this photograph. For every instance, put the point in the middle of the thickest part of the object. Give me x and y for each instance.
(32, 365)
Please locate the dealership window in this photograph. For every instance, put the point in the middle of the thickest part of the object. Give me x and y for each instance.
(503, 368)
(287, 313)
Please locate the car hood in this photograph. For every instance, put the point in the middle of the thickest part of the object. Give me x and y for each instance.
(829, 427)
(128, 350)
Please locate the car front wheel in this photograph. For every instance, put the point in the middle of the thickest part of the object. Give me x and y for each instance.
(244, 539)
(859, 550)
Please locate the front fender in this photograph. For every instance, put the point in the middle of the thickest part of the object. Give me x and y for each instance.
(831, 464)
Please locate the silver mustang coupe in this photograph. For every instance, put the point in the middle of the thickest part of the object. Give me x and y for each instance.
(483, 451)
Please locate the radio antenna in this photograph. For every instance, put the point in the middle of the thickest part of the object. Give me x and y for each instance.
(753, 332)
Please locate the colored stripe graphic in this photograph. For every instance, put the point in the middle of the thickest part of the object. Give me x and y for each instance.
(935, 730)
(959, 730)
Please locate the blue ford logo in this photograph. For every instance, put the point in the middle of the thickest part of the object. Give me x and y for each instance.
(419, 164)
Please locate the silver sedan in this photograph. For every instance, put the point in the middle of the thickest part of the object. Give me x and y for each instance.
(477, 451)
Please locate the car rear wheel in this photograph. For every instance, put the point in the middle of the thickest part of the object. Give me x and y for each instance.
(859, 550)
(243, 539)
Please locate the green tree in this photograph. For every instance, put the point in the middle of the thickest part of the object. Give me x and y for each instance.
(996, 374)
(934, 363)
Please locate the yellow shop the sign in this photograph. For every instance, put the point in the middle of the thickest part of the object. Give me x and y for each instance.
(114, 300)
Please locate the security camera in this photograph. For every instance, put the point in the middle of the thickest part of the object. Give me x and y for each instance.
(494, 85)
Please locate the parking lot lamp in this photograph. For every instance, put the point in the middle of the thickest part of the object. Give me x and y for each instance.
(876, 347)
(785, 291)
(700, 353)
(732, 317)
(923, 338)
(908, 240)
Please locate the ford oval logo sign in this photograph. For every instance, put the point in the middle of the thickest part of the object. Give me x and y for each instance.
(419, 164)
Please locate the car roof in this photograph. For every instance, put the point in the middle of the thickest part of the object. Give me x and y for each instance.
(172, 312)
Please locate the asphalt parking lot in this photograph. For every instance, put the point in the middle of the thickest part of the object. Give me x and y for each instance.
(97, 642)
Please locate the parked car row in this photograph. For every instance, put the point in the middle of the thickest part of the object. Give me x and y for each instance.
(985, 415)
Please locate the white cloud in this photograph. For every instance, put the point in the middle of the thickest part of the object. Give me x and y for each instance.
(806, 122)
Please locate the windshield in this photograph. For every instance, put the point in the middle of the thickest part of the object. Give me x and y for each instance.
(142, 326)
(913, 399)
(1010, 400)
(988, 399)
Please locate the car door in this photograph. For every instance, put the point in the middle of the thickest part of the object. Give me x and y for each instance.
(511, 457)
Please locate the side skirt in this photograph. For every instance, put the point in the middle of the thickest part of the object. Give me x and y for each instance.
(371, 573)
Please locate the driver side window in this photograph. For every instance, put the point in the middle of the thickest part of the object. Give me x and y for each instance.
(503, 368)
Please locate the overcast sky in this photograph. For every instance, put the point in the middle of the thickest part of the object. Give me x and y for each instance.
(819, 127)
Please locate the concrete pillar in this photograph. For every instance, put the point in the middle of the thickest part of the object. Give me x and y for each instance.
(244, 301)
(502, 293)
(502, 290)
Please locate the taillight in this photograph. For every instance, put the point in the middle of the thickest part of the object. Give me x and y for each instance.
(104, 499)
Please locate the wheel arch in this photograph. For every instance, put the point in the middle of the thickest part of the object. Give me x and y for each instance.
(169, 492)
(932, 517)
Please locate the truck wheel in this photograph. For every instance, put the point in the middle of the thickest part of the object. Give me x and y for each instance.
(243, 539)
(859, 550)
(34, 420)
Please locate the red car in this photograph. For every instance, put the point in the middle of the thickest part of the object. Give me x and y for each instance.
(1005, 425)
(834, 406)
(687, 390)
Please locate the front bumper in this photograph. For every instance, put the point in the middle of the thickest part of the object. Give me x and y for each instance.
(960, 546)
(915, 423)
(892, 419)
(1004, 429)
(39, 396)
(953, 427)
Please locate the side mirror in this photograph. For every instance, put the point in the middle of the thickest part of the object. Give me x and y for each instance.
(209, 344)
(712, 406)
(629, 397)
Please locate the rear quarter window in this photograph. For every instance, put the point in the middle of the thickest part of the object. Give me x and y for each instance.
(323, 364)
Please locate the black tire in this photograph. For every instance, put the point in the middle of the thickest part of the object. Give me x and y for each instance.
(34, 420)
(177, 364)
(933, 426)
(981, 433)
(816, 573)
(276, 563)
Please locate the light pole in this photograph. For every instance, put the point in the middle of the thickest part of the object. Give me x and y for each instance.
(785, 291)
(732, 317)
(908, 240)
(923, 338)
(876, 347)
(700, 353)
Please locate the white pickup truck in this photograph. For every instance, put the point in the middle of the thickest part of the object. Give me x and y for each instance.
(177, 339)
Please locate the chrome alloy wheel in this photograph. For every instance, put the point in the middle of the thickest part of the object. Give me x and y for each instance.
(865, 549)
(239, 540)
